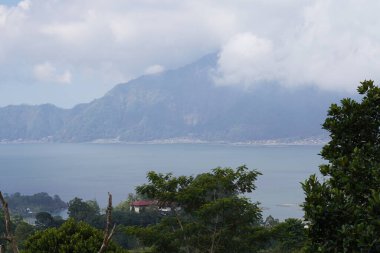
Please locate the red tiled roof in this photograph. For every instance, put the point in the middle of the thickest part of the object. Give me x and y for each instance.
(143, 203)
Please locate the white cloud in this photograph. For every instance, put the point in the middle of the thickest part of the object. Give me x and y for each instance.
(154, 69)
(245, 60)
(331, 44)
(3, 15)
(64, 78)
(67, 33)
(335, 47)
(46, 72)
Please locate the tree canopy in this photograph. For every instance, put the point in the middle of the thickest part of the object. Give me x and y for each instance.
(71, 237)
(81, 210)
(208, 213)
(343, 210)
(39, 202)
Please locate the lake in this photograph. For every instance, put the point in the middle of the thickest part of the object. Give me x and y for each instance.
(89, 171)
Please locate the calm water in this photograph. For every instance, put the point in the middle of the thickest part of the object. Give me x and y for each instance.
(90, 171)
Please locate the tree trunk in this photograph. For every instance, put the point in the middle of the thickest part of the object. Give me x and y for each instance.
(108, 233)
(8, 232)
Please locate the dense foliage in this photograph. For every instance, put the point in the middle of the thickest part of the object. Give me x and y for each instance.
(214, 209)
(285, 237)
(46, 220)
(71, 237)
(207, 212)
(343, 211)
(27, 205)
(89, 212)
(20, 229)
(22, 232)
(80, 210)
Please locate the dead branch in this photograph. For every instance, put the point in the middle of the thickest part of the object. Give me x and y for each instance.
(108, 232)
(8, 232)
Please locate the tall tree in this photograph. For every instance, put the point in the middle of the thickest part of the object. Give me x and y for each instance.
(343, 211)
(83, 210)
(208, 213)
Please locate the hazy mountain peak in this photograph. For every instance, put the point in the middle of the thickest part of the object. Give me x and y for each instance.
(180, 103)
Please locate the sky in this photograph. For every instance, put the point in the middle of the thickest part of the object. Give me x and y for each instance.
(67, 52)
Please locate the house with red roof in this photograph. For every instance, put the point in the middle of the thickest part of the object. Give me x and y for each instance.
(142, 205)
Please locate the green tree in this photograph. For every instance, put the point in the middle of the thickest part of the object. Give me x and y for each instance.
(288, 236)
(270, 222)
(39, 202)
(15, 220)
(94, 206)
(71, 237)
(81, 210)
(22, 232)
(208, 213)
(343, 210)
(124, 206)
(44, 220)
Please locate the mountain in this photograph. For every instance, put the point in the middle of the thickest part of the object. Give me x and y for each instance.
(30, 122)
(181, 103)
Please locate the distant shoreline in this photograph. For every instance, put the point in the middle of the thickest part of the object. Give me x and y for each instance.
(272, 142)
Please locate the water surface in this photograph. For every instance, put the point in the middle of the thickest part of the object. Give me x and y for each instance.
(90, 171)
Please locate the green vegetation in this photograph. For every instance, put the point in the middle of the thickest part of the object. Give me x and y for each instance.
(209, 207)
(46, 220)
(284, 237)
(71, 237)
(20, 229)
(22, 232)
(208, 213)
(343, 210)
(25, 205)
(87, 211)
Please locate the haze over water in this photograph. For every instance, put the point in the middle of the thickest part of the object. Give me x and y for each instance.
(89, 171)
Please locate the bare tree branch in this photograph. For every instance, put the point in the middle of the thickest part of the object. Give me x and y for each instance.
(108, 232)
(8, 231)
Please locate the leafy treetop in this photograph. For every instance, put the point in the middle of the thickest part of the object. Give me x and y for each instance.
(343, 211)
(207, 212)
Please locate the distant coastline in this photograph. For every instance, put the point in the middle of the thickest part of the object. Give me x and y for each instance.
(183, 140)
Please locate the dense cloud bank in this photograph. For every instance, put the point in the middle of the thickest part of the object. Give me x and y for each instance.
(65, 52)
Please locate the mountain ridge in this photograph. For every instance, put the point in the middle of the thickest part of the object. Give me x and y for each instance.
(182, 103)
